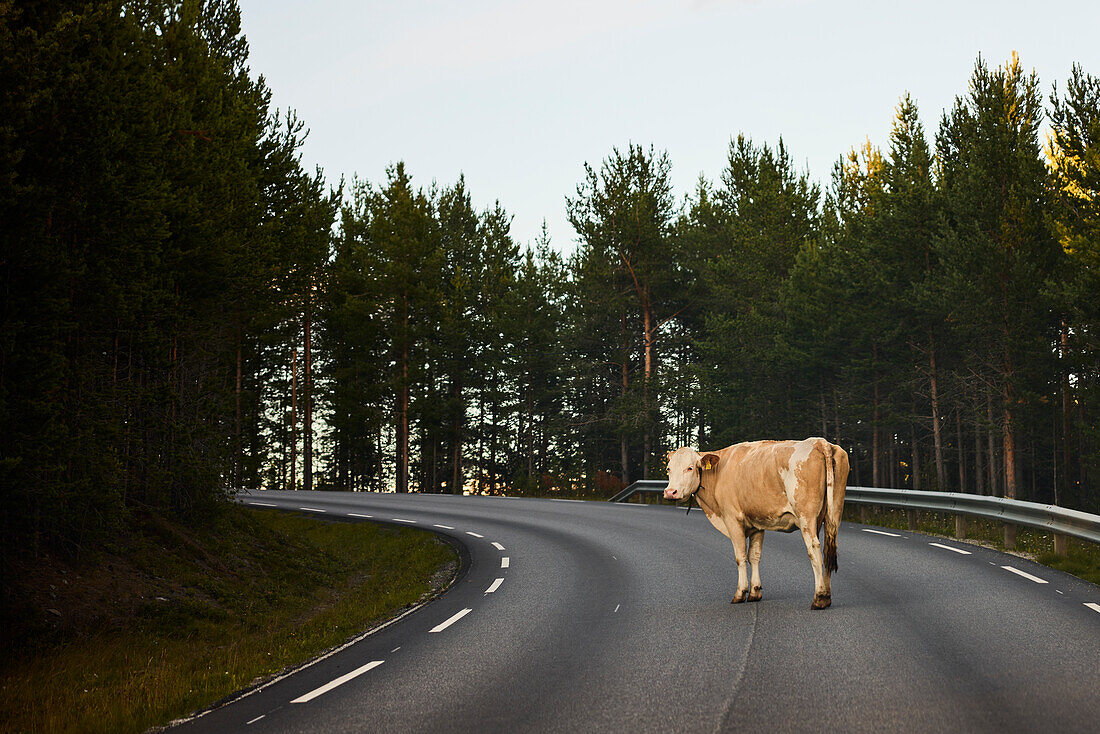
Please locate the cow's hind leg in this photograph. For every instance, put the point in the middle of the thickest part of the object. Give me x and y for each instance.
(822, 597)
(737, 535)
(756, 546)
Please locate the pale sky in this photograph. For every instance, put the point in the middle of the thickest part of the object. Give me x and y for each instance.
(519, 95)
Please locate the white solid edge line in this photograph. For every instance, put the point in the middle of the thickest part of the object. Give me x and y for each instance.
(1025, 574)
(338, 682)
(880, 532)
(474, 534)
(262, 504)
(445, 527)
(555, 499)
(947, 547)
(497, 545)
(253, 721)
(356, 514)
(400, 519)
(298, 669)
(1093, 606)
(494, 586)
(504, 562)
(311, 509)
(444, 625)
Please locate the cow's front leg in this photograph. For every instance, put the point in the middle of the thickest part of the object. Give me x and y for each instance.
(756, 547)
(822, 597)
(737, 535)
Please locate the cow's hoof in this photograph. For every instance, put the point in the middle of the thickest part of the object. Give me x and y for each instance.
(756, 594)
(821, 601)
(739, 597)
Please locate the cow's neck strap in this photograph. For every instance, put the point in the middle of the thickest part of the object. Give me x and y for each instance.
(693, 496)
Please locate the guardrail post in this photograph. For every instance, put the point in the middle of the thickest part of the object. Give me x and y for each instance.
(1010, 536)
(960, 526)
(1060, 546)
(912, 520)
(863, 514)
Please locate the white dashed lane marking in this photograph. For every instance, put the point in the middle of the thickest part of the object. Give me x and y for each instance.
(310, 509)
(262, 504)
(881, 532)
(253, 721)
(504, 562)
(401, 519)
(338, 682)
(1093, 606)
(445, 624)
(955, 550)
(356, 514)
(474, 534)
(616, 608)
(445, 527)
(497, 545)
(494, 586)
(1025, 574)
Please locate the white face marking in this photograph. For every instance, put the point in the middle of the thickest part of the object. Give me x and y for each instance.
(682, 473)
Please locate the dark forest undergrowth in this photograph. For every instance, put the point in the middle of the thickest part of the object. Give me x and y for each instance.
(168, 619)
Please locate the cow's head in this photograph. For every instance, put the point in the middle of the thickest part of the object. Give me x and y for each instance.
(686, 469)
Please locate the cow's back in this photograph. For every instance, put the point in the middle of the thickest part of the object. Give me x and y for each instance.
(770, 484)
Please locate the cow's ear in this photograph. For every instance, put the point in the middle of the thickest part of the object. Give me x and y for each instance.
(708, 461)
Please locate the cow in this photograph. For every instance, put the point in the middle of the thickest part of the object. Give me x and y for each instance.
(751, 487)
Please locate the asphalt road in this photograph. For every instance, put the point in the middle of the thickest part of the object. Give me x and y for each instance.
(599, 617)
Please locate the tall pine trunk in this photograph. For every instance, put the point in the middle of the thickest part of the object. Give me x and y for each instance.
(456, 440)
(623, 439)
(876, 479)
(937, 437)
(294, 418)
(961, 452)
(402, 480)
(307, 396)
(647, 321)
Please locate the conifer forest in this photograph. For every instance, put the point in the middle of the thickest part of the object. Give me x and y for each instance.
(186, 310)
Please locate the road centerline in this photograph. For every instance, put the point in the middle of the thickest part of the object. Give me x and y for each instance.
(504, 562)
(312, 509)
(497, 545)
(474, 534)
(1025, 574)
(494, 586)
(449, 621)
(960, 551)
(337, 682)
(881, 532)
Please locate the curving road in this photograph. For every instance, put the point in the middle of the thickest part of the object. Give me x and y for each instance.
(589, 617)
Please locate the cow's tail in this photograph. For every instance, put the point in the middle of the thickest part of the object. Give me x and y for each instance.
(836, 480)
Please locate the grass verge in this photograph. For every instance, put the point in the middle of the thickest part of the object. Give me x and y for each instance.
(1083, 559)
(174, 619)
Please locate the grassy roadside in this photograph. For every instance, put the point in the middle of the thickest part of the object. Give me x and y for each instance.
(1083, 559)
(173, 619)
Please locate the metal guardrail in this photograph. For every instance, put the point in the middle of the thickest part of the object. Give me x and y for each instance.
(644, 485)
(1060, 521)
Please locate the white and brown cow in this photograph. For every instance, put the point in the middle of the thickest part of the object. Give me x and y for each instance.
(748, 488)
